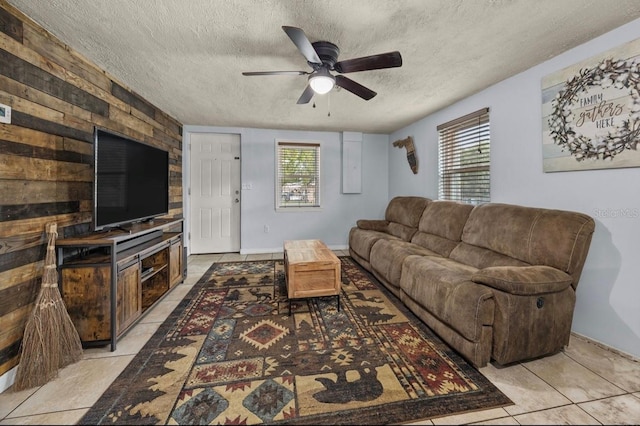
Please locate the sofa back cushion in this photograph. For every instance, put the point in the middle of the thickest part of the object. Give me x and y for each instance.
(535, 236)
(403, 214)
(441, 225)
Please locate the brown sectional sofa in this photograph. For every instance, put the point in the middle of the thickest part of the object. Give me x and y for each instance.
(495, 281)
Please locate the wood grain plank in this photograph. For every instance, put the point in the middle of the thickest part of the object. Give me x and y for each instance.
(42, 42)
(133, 99)
(28, 226)
(14, 148)
(34, 192)
(12, 334)
(118, 127)
(162, 136)
(130, 121)
(102, 91)
(18, 296)
(32, 137)
(9, 354)
(23, 168)
(26, 73)
(27, 256)
(31, 108)
(19, 118)
(14, 320)
(32, 210)
(75, 145)
(171, 125)
(10, 25)
(22, 273)
(13, 87)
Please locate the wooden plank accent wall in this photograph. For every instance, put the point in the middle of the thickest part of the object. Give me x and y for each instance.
(46, 155)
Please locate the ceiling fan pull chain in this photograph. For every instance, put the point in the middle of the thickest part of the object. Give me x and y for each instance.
(329, 104)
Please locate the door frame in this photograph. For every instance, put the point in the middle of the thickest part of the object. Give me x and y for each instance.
(187, 131)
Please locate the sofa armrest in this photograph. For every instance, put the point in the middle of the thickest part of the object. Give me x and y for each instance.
(373, 225)
(523, 280)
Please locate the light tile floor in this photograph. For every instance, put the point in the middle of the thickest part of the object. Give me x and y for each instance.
(585, 384)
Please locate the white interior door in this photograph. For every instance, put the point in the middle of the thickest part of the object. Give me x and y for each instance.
(214, 193)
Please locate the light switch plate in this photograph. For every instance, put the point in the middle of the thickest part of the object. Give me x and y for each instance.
(5, 114)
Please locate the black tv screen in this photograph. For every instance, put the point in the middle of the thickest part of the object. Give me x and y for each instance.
(131, 181)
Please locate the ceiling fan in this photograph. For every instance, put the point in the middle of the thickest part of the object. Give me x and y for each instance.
(322, 56)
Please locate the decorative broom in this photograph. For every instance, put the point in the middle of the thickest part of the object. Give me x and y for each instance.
(50, 340)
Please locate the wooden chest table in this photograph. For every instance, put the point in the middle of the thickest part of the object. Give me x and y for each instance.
(311, 270)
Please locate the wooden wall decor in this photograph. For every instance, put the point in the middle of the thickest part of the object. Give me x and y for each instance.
(411, 152)
(590, 112)
(56, 98)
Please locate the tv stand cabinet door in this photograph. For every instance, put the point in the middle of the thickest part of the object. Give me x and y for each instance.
(129, 297)
(86, 294)
(175, 261)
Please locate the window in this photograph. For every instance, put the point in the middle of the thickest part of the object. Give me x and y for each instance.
(464, 148)
(297, 175)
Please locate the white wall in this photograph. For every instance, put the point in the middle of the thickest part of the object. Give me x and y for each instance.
(339, 211)
(608, 296)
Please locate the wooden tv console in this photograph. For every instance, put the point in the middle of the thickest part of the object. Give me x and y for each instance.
(109, 279)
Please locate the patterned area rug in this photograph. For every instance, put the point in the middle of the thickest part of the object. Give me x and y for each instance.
(230, 353)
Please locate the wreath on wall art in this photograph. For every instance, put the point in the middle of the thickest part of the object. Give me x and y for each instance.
(619, 74)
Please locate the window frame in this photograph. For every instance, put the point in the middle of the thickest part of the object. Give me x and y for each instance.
(464, 148)
(306, 144)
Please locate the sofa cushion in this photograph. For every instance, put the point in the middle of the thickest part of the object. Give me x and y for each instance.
(373, 225)
(387, 256)
(444, 288)
(406, 210)
(535, 236)
(480, 257)
(524, 280)
(441, 226)
(361, 240)
(401, 221)
(401, 231)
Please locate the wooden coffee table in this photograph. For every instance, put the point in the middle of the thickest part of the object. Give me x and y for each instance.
(311, 270)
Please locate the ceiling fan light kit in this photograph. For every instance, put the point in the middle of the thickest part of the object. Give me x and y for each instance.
(322, 56)
(322, 81)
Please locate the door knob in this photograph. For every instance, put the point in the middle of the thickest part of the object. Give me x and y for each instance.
(237, 200)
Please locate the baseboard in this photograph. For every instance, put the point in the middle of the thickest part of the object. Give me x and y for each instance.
(7, 379)
(606, 347)
(280, 249)
(261, 251)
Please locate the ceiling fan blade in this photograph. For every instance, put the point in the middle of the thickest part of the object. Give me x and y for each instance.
(276, 73)
(303, 44)
(373, 62)
(355, 88)
(306, 95)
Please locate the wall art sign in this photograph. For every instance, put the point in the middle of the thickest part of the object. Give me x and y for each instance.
(591, 113)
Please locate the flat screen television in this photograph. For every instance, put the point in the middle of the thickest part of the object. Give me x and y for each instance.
(131, 181)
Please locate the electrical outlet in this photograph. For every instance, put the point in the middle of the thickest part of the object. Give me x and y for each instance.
(266, 229)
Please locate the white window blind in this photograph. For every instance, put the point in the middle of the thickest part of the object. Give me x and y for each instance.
(464, 155)
(298, 175)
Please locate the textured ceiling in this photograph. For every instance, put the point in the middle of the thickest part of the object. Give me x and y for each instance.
(187, 56)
